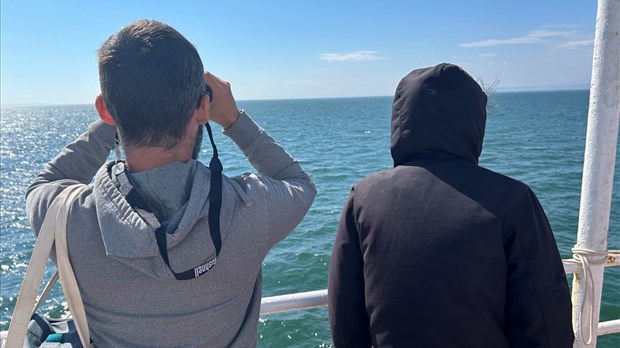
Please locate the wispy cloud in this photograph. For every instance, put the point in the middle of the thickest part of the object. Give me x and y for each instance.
(560, 26)
(488, 55)
(357, 56)
(533, 37)
(500, 42)
(549, 33)
(306, 82)
(579, 43)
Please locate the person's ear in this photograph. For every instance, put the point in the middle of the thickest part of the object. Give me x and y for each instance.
(103, 112)
(202, 114)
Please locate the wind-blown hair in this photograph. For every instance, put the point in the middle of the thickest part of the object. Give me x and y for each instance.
(151, 81)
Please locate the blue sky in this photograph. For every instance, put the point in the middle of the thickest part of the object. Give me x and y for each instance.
(304, 49)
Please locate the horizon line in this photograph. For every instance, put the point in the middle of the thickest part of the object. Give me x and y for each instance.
(499, 90)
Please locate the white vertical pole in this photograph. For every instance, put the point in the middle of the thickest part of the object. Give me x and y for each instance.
(598, 170)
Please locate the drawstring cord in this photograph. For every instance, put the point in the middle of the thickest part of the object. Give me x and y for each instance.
(117, 148)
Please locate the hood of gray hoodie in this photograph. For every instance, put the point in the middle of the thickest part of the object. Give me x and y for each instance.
(179, 192)
(438, 111)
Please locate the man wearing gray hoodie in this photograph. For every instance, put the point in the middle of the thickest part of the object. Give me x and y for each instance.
(154, 267)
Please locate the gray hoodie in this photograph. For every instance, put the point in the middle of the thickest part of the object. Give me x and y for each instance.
(130, 296)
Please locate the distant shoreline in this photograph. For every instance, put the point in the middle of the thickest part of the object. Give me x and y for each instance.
(499, 90)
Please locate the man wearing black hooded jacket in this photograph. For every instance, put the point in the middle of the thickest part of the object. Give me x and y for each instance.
(438, 251)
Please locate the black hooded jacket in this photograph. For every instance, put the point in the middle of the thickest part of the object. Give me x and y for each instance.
(438, 251)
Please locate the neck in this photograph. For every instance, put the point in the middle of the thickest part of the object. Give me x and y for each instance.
(139, 159)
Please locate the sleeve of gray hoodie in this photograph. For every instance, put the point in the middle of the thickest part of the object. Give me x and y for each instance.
(287, 189)
(77, 162)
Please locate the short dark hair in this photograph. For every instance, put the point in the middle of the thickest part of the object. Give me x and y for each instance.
(151, 81)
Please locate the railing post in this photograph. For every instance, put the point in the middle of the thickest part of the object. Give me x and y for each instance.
(598, 172)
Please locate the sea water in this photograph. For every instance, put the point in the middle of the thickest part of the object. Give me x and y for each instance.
(536, 137)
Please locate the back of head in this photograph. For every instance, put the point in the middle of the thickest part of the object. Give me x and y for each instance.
(438, 111)
(151, 81)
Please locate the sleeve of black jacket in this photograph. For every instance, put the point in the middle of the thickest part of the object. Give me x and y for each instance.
(347, 311)
(538, 307)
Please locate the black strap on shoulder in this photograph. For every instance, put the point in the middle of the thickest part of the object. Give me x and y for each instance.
(145, 211)
(215, 194)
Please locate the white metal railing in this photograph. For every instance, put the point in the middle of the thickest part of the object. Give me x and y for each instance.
(293, 302)
(574, 266)
(608, 327)
(598, 175)
(318, 298)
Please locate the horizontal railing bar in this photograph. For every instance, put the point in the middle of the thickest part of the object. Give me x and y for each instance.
(573, 266)
(318, 298)
(613, 258)
(291, 302)
(608, 327)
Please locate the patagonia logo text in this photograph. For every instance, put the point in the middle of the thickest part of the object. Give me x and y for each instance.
(198, 270)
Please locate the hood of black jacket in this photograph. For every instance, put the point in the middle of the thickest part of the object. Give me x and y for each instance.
(438, 112)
